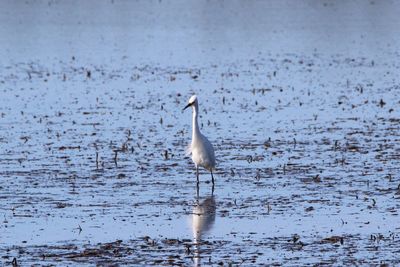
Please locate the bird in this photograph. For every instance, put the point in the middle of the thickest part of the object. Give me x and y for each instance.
(201, 149)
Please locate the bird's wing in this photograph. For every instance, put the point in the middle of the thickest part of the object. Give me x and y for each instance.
(210, 150)
(188, 150)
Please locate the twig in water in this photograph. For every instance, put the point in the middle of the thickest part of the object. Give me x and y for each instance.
(115, 157)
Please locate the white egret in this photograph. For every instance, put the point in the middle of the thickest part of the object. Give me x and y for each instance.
(201, 149)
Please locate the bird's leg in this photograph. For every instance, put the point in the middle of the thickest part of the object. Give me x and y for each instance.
(212, 178)
(197, 175)
(197, 192)
(212, 190)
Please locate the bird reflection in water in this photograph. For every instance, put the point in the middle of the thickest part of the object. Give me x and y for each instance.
(203, 218)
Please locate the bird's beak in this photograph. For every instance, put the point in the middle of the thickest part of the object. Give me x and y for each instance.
(188, 105)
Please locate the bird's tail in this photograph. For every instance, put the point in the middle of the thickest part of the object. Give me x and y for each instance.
(188, 150)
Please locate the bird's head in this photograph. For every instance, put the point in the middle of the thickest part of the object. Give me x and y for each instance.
(192, 101)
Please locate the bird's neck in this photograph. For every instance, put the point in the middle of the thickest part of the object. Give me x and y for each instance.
(196, 129)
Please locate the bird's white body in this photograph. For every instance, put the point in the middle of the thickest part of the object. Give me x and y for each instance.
(201, 149)
(203, 152)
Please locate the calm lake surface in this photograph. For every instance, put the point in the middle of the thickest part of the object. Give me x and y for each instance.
(299, 98)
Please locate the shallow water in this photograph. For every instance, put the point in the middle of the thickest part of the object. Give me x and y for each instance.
(93, 138)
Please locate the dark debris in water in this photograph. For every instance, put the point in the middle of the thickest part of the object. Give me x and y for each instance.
(183, 252)
(101, 157)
